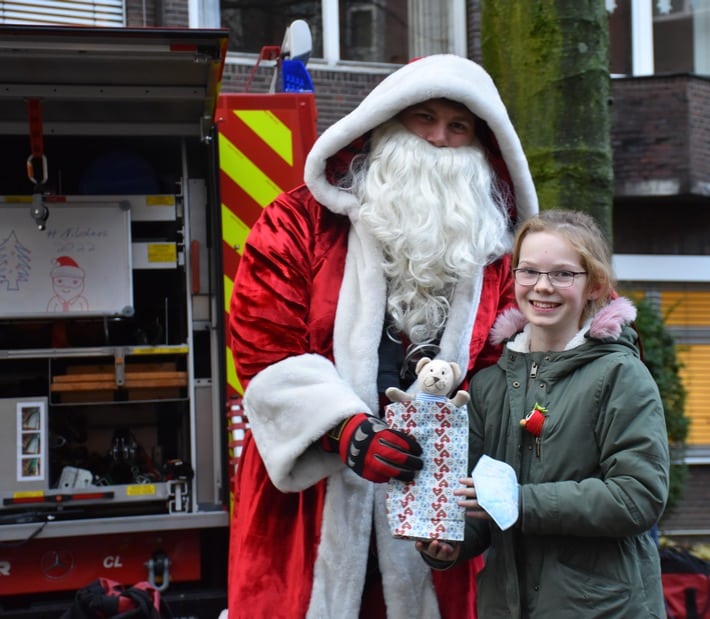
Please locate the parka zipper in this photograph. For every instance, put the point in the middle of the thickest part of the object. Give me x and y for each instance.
(533, 375)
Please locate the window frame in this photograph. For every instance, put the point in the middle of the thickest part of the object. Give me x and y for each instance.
(67, 12)
(206, 14)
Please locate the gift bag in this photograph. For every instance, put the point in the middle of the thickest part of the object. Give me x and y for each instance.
(426, 507)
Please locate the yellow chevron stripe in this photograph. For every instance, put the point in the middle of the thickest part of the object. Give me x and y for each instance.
(270, 129)
(232, 379)
(251, 179)
(234, 230)
(228, 284)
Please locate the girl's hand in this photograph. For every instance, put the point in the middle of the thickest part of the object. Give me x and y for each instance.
(473, 509)
(441, 550)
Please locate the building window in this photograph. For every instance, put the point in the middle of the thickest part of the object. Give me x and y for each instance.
(670, 36)
(66, 12)
(673, 36)
(681, 35)
(373, 31)
(620, 39)
(352, 30)
(253, 25)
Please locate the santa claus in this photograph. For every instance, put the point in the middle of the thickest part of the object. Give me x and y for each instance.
(68, 285)
(396, 245)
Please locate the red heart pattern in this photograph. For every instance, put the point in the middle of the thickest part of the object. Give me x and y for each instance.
(426, 508)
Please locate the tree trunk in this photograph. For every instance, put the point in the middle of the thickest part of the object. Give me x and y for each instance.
(550, 60)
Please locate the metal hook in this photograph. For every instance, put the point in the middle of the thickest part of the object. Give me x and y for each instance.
(31, 169)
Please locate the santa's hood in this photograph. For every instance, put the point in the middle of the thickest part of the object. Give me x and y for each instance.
(437, 76)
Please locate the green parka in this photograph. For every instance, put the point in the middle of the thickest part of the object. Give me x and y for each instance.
(591, 486)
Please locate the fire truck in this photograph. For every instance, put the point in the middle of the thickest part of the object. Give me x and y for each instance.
(128, 185)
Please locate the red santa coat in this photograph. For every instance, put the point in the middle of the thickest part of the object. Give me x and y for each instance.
(306, 318)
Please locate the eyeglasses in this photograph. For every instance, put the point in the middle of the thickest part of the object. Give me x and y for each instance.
(558, 279)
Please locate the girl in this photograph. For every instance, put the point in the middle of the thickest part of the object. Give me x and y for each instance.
(573, 409)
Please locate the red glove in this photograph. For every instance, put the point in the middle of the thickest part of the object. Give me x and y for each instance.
(374, 450)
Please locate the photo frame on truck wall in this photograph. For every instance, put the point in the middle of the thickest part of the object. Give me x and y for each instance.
(80, 264)
(31, 441)
(23, 446)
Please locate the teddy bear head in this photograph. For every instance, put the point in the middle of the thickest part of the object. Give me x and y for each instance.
(436, 376)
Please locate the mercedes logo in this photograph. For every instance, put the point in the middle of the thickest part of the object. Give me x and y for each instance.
(56, 564)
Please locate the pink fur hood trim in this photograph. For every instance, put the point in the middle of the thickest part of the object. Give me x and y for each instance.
(606, 324)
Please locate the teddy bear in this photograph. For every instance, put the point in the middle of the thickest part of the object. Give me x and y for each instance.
(436, 380)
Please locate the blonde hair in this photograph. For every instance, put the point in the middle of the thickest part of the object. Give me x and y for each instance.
(586, 238)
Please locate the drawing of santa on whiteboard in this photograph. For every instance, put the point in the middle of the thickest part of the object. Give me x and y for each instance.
(68, 285)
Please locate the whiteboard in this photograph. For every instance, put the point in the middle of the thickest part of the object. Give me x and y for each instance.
(79, 265)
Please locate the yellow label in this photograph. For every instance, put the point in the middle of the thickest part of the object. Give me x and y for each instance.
(160, 350)
(160, 200)
(162, 252)
(28, 494)
(140, 490)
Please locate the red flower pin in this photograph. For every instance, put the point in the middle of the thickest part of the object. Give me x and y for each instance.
(534, 419)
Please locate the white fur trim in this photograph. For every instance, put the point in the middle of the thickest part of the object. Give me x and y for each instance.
(290, 405)
(521, 342)
(440, 75)
(360, 315)
(610, 318)
(339, 571)
(510, 321)
(456, 340)
(578, 339)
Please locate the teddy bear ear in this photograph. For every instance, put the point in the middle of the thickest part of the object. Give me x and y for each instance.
(456, 370)
(421, 363)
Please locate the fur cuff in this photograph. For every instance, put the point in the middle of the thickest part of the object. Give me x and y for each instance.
(290, 406)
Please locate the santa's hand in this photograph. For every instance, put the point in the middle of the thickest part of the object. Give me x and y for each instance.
(374, 450)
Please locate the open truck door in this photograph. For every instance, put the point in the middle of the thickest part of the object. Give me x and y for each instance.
(112, 375)
(128, 186)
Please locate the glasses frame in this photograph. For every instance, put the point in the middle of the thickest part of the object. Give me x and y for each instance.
(549, 279)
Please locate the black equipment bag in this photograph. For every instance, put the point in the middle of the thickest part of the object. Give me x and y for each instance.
(686, 584)
(105, 598)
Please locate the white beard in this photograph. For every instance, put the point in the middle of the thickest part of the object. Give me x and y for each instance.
(438, 216)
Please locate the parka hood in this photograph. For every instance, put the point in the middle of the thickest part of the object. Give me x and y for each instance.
(605, 325)
(437, 76)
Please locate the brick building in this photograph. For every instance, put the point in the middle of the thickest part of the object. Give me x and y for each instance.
(661, 145)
